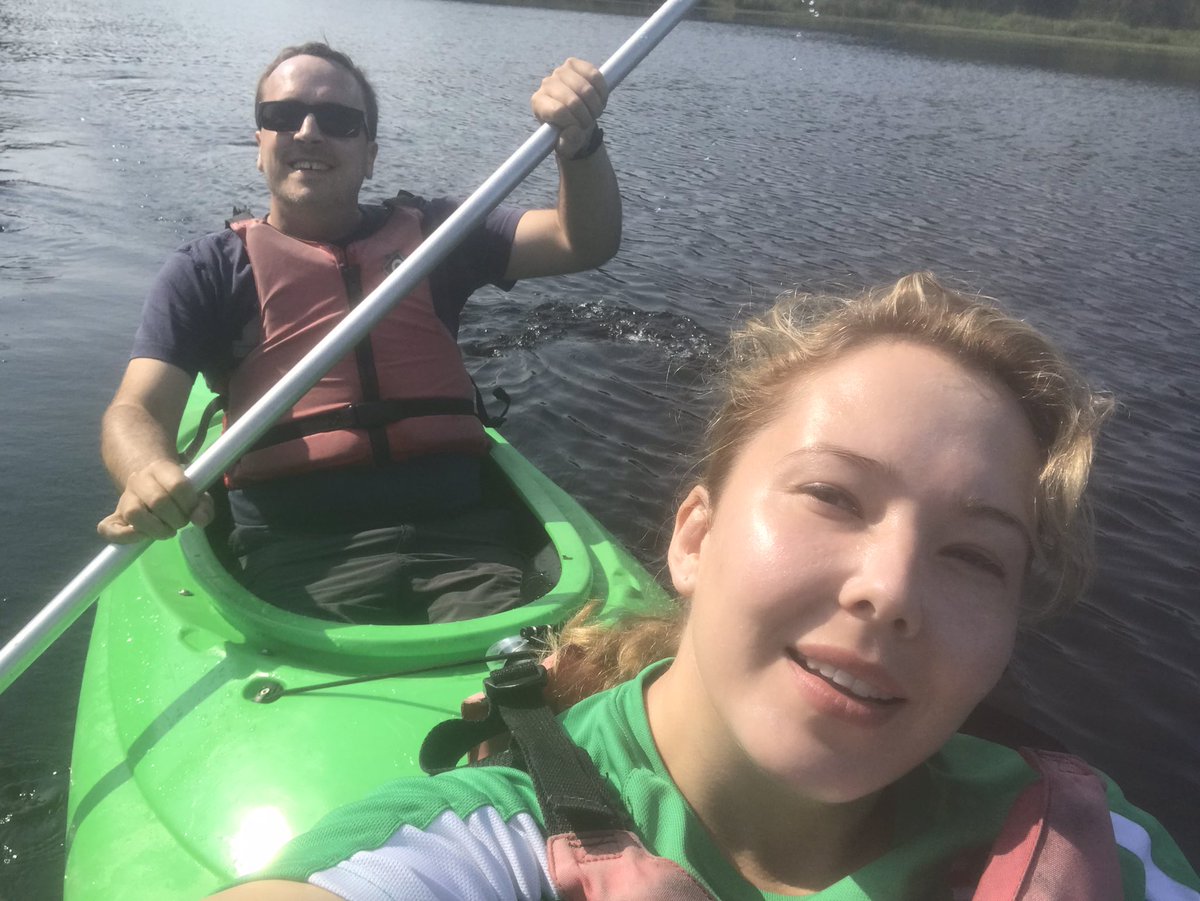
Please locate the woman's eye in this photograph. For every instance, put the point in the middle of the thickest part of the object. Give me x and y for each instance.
(832, 495)
(978, 559)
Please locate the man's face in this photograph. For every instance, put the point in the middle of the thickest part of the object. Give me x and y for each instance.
(308, 171)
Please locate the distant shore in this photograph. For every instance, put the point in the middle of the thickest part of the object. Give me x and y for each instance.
(1029, 31)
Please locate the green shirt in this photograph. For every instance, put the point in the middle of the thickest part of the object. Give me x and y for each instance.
(477, 832)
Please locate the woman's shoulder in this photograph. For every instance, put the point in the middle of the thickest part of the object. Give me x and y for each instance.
(421, 800)
(416, 828)
(613, 728)
(1149, 856)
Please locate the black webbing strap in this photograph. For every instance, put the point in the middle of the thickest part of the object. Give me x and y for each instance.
(573, 795)
(365, 415)
(482, 411)
(215, 406)
(364, 361)
(449, 741)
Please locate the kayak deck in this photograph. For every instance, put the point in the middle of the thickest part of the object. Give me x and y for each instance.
(181, 781)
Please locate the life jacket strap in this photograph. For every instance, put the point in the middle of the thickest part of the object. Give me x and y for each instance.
(481, 410)
(376, 414)
(1057, 840)
(615, 866)
(215, 406)
(365, 415)
(573, 796)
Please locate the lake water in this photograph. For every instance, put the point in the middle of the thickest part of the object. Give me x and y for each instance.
(751, 160)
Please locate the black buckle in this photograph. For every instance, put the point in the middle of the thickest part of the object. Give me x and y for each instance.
(344, 417)
(537, 635)
(518, 683)
(368, 415)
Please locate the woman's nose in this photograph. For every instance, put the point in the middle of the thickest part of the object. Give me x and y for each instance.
(885, 583)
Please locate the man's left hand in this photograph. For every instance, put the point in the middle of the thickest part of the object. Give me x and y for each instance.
(571, 97)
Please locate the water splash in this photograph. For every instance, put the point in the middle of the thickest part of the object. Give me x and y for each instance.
(677, 337)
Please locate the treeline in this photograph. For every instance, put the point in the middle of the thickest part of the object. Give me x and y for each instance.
(1173, 24)
(1130, 13)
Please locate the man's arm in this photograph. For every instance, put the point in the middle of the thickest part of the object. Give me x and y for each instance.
(584, 230)
(137, 443)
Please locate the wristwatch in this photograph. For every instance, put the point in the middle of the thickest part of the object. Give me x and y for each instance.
(591, 146)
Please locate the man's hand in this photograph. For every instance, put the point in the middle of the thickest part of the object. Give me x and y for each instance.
(157, 502)
(571, 97)
(584, 229)
(137, 441)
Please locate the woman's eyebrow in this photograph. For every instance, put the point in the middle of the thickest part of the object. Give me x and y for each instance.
(980, 509)
(835, 450)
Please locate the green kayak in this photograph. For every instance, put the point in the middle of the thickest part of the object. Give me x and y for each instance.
(183, 778)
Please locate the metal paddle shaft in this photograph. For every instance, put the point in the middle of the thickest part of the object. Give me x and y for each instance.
(28, 644)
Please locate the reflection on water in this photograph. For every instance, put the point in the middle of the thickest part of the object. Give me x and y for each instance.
(751, 160)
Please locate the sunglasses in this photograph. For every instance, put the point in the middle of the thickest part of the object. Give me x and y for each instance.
(334, 119)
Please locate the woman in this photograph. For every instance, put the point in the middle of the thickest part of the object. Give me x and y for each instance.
(892, 483)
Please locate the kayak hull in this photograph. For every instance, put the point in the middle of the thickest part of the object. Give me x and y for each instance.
(183, 779)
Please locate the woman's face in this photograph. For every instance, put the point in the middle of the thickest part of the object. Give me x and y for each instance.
(856, 586)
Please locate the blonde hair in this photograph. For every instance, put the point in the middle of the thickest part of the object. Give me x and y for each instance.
(803, 332)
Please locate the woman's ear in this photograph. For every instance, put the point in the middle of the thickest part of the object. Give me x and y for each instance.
(691, 526)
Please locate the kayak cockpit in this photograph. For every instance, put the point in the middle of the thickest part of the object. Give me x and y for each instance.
(562, 566)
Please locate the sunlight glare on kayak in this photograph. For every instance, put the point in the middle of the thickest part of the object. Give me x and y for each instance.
(259, 836)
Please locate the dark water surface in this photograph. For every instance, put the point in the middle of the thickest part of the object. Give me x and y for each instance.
(751, 159)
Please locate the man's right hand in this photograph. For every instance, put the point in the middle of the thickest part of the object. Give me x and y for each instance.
(137, 441)
(157, 502)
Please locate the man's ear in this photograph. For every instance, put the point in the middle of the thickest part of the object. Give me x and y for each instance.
(258, 141)
(692, 522)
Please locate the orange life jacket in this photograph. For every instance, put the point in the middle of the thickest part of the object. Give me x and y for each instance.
(403, 392)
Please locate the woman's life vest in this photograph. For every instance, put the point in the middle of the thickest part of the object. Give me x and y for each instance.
(403, 392)
(1056, 843)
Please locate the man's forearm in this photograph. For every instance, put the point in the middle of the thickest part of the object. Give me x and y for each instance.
(131, 439)
(589, 208)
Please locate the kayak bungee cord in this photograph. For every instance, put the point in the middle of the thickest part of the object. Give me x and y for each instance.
(531, 643)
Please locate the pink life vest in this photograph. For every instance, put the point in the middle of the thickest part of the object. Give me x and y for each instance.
(1056, 844)
(402, 393)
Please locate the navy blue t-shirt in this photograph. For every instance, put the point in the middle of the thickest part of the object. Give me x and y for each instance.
(202, 316)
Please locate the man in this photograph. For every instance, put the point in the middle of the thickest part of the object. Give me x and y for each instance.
(381, 523)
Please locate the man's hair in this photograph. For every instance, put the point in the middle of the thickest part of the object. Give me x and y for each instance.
(324, 51)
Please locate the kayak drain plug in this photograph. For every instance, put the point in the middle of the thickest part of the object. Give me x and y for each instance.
(263, 691)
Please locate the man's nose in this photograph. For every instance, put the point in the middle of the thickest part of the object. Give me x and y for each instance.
(309, 130)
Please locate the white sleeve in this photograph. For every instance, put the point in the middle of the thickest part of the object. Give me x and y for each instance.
(481, 858)
(1136, 840)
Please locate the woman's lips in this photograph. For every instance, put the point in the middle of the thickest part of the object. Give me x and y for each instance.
(850, 675)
